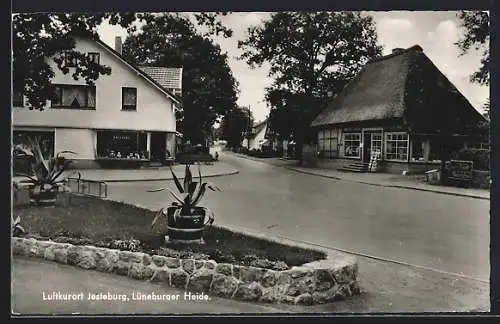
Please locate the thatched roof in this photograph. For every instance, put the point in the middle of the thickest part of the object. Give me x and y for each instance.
(389, 87)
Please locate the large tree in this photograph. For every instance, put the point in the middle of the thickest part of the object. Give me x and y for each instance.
(311, 54)
(235, 125)
(37, 36)
(209, 88)
(475, 25)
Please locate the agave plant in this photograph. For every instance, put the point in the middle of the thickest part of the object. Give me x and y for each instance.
(16, 227)
(48, 173)
(190, 194)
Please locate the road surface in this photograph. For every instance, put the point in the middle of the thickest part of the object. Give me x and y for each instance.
(442, 232)
(444, 241)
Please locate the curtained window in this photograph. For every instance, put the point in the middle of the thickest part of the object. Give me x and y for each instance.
(74, 97)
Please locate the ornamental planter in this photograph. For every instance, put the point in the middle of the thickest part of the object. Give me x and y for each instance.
(186, 228)
(43, 195)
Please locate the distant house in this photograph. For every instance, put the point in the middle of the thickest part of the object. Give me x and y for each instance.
(400, 106)
(129, 114)
(257, 138)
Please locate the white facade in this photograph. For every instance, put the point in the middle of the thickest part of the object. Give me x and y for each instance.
(76, 129)
(256, 142)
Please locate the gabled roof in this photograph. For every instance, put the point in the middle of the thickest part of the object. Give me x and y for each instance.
(259, 126)
(256, 128)
(169, 78)
(390, 87)
(377, 93)
(139, 72)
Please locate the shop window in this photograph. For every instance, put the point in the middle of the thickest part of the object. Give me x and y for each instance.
(74, 97)
(129, 98)
(122, 145)
(417, 149)
(328, 143)
(396, 146)
(21, 142)
(352, 142)
(434, 150)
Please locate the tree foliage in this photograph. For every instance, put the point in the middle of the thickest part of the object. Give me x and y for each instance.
(236, 124)
(310, 54)
(39, 36)
(209, 87)
(476, 36)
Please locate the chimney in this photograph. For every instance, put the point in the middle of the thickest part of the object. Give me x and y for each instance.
(397, 50)
(118, 44)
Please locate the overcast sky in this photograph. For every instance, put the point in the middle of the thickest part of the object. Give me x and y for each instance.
(434, 31)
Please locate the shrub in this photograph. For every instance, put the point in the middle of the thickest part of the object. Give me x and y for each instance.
(480, 158)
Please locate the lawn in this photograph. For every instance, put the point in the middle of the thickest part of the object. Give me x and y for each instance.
(89, 220)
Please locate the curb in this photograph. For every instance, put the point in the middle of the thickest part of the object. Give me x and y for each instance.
(387, 186)
(366, 183)
(166, 179)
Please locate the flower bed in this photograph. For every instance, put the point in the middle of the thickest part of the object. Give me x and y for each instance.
(110, 224)
(114, 237)
(313, 283)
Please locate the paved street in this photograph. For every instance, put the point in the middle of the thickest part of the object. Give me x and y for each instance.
(33, 278)
(437, 235)
(437, 231)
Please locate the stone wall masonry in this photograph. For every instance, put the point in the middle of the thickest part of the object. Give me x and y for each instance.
(313, 283)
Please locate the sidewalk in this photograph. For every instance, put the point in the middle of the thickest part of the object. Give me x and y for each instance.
(218, 168)
(376, 179)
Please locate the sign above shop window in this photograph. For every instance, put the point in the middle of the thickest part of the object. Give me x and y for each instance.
(121, 137)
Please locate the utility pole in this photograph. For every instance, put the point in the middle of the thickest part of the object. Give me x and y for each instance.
(249, 128)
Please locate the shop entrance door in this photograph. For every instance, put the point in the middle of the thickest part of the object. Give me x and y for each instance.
(158, 146)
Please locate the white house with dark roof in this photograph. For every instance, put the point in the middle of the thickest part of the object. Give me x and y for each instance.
(127, 115)
(258, 136)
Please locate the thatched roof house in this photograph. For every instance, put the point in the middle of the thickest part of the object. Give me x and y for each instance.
(395, 100)
(390, 88)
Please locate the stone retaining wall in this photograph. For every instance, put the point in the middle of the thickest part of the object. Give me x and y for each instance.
(313, 283)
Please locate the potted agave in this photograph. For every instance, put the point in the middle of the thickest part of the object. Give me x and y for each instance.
(49, 177)
(186, 220)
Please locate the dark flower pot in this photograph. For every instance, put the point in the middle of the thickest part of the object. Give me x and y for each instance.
(43, 197)
(186, 228)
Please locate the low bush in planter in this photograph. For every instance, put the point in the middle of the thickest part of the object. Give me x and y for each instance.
(105, 223)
